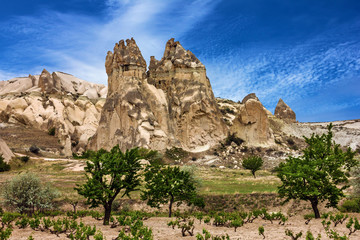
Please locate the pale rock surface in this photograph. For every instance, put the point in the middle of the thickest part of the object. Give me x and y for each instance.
(284, 112)
(70, 105)
(5, 151)
(170, 105)
(251, 123)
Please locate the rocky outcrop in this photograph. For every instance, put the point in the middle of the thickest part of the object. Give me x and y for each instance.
(284, 112)
(5, 151)
(170, 105)
(70, 105)
(251, 123)
(48, 84)
(55, 83)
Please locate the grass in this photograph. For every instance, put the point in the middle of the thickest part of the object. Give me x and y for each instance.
(232, 181)
(213, 181)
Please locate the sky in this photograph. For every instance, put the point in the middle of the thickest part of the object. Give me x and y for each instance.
(306, 52)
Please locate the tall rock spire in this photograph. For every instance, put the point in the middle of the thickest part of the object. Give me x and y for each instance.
(170, 105)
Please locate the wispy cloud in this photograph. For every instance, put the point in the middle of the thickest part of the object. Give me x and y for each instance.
(78, 43)
(297, 74)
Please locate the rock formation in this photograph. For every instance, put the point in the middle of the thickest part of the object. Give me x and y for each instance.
(70, 105)
(5, 151)
(284, 112)
(251, 123)
(170, 105)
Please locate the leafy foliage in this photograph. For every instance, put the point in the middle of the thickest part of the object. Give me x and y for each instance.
(109, 174)
(26, 194)
(3, 165)
(253, 163)
(319, 174)
(169, 185)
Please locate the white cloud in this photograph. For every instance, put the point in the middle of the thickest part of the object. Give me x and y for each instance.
(77, 44)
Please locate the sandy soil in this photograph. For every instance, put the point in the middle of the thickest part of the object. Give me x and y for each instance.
(248, 232)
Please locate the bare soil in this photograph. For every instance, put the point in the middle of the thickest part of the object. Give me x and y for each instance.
(247, 232)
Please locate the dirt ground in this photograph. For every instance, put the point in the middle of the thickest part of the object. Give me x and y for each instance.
(247, 232)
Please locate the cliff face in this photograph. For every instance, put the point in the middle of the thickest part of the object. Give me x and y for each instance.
(170, 105)
(252, 123)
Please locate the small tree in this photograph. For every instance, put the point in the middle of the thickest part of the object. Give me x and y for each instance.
(169, 185)
(252, 163)
(3, 165)
(319, 174)
(109, 174)
(26, 194)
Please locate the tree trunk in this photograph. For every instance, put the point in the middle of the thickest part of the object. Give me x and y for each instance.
(107, 213)
(314, 204)
(170, 205)
(253, 172)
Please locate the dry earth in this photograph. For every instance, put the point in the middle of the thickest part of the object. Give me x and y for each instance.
(248, 232)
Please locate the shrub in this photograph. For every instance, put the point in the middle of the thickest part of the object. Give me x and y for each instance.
(24, 159)
(176, 153)
(25, 194)
(252, 163)
(34, 149)
(3, 165)
(351, 205)
(51, 131)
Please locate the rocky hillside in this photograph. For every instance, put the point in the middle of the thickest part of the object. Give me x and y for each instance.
(169, 106)
(58, 103)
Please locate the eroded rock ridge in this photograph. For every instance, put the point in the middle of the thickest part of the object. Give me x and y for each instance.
(171, 104)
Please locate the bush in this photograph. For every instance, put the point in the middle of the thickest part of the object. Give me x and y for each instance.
(34, 149)
(3, 165)
(253, 163)
(351, 205)
(176, 154)
(51, 131)
(24, 159)
(26, 194)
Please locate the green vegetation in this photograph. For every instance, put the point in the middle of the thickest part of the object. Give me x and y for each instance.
(319, 174)
(3, 165)
(51, 131)
(26, 194)
(109, 174)
(253, 163)
(176, 154)
(169, 185)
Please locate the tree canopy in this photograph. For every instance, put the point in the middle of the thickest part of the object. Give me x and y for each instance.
(110, 174)
(320, 174)
(253, 163)
(169, 185)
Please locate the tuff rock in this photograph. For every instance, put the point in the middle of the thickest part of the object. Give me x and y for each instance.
(284, 112)
(170, 105)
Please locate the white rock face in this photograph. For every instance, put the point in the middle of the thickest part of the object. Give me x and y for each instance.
(70, 105)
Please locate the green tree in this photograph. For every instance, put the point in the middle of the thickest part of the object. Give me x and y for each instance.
(252, 163)
(320, 174)
(25, 193)
(170, 185)
(111, 173)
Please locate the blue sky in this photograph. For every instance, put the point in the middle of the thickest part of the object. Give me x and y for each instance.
(306, 52)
